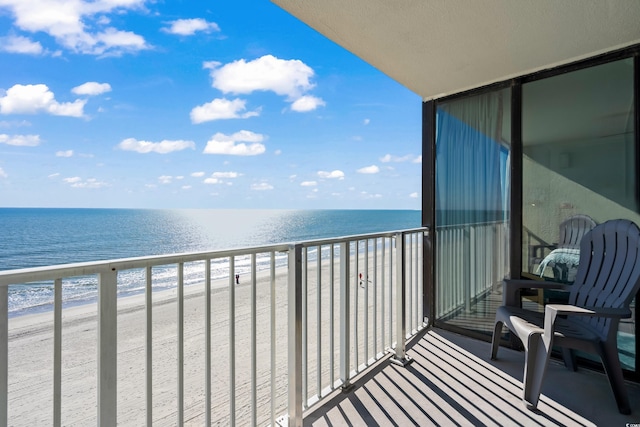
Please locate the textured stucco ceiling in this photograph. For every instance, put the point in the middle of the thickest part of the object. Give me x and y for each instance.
(439, 47)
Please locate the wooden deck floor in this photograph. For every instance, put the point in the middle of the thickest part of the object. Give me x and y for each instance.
(452, 382)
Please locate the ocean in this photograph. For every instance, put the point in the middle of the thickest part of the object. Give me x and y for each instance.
(33, 237)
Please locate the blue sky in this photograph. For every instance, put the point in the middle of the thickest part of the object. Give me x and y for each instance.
(185, 104)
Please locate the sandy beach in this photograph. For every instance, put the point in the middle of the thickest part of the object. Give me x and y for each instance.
(31, 352)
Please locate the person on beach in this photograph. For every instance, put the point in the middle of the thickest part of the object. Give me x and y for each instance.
(363, 282)
(237, 279)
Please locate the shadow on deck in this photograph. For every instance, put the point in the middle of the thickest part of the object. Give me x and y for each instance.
(452, 382)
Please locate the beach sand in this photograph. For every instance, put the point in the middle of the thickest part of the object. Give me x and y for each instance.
(31, 352)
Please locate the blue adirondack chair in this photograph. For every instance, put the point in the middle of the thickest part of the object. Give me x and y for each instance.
(607, 279)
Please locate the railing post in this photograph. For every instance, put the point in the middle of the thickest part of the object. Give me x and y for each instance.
(232, 341)
(57, 352)
(180, 337)
(295, 336)
(4, 354)
(148, 304)
(428, 297)
(107, 348)
(400, 357)
(469, 266)
(345, 314)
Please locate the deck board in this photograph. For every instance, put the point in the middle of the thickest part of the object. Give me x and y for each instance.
(452, 382)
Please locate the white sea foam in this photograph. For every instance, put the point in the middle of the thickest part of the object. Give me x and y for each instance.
(38, 237)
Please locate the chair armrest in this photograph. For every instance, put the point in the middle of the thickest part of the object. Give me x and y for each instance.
(537, 251)
(552, 311)
(566, 309)
(511, 289)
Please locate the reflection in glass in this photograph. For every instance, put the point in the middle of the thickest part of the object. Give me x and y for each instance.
(472, 200)
(578, 162)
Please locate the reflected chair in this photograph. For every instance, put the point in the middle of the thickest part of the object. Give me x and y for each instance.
(607, 279)
(570, 233)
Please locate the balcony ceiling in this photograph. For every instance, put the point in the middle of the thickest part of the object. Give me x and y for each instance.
(437, 47)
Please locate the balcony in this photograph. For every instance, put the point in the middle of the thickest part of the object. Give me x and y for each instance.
(325, 332)
(452, 382)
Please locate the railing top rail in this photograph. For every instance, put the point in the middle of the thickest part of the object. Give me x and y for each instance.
(334, 240)
(44, 273)
(468, 224)
(34, 274)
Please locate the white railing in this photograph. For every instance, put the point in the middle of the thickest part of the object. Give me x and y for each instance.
(471, 260)
(304, 319)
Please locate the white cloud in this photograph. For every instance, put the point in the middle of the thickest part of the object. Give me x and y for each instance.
(32, 99)
(212, 181)
(277, 152)
(125, 41)
(91, 88)
(67, 153)
(162, 147)
(418, 159)
(226, 174)
(289, 78)
(13, 123)
(371, 196)
(165, 179)
(77, 182)
(186, 187)
(197, 174)
(307, 103)
(397, 159)
(413, 195)
(222, 108)
(235, 144)
(3, 174)
(20, 140)
(20, 44)
(366, 122)
(78, 25)
(336, 174)
(308, 183)
(188, 27)
(263, 186)
(53, 175)
(369, 169)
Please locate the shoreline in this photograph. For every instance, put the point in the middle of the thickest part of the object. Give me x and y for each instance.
(31, 354)
(126, 303)
(31, 350)
(191, 279)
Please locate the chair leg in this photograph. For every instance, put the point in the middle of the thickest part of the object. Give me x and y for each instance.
(535, 366)
(495, 339)
(611, 363)
(569, 357)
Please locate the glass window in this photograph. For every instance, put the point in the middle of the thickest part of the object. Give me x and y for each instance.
(578, 169)
(472, 202)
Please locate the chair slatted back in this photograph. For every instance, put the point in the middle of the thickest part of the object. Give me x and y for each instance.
(608, 275)
(573, 229)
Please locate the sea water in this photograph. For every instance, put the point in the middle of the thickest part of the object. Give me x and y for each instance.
(32, 237)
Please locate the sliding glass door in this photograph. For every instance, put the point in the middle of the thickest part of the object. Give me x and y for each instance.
(579, 169)
(575, 138)
(472, 188)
